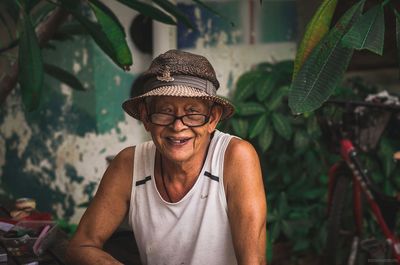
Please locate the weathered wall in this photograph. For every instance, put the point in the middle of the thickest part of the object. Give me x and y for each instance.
(58, 153)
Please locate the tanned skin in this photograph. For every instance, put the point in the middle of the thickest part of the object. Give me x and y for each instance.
(243, 184)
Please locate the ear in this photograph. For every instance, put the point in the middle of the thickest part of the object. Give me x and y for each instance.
(143, 115)
(215, 117)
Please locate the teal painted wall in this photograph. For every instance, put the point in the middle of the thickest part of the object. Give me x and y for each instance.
(41, 148)
(57, 154)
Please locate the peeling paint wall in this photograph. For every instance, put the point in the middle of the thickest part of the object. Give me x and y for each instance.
(57, 154)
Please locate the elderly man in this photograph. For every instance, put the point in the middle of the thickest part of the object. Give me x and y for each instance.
(194, 195)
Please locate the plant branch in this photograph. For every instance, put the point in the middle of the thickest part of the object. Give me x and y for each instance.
(44, 33)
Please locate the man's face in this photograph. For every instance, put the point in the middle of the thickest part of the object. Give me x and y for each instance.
(179, 142)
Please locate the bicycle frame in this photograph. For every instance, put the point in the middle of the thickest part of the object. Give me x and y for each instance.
(361, 185)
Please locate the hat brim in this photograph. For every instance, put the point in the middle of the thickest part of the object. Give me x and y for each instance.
(131, 106)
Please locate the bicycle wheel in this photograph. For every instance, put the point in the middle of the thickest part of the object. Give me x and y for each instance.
(342, 246)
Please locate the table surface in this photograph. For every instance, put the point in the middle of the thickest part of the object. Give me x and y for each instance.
(121, 245)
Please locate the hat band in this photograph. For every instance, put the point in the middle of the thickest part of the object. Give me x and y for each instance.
(181, 80)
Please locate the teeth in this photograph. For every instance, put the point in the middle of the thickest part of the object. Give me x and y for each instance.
(177, 140)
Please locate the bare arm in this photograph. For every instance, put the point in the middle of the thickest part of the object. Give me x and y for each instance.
(247, 207)
(104, 214)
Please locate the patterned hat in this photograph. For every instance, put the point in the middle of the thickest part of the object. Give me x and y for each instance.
(178, 74)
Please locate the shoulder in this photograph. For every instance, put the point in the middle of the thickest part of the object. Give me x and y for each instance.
(240, 151)
(123, 161)
(241, 166)
(118, 176)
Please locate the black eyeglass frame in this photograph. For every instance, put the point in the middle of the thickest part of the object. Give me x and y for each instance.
(206, 119)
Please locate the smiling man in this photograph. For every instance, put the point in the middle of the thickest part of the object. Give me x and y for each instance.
(194, 195)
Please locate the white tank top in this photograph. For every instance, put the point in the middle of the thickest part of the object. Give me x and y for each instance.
(194, 230)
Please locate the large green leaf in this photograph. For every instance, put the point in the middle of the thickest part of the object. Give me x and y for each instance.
(369, 32)
(276, 98)
(210, 9)
(315, 31)
(250, 108)
(30, 65)
(265, 138)
(95, 30)
(258, 126)
(174, 10)
(282, 125)
(245, 87)
(149, 11)
(240, 127)
(325, 67)
(114, 31)
(63, 76)
(266, 84)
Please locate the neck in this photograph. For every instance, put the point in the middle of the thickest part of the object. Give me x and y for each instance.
(176, 179)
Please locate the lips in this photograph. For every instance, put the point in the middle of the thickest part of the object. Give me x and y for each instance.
(178, 141)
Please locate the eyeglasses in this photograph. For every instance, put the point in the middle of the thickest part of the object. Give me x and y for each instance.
(190, 120)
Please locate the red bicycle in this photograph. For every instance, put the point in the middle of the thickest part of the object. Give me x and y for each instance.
(351, 190)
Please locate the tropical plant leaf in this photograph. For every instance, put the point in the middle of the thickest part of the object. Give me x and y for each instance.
(266, 84)
(174, 10)
(68, 30)
(265, 138)
(287, 229)
(63, 76)
(313, 129)
(250, 108)
(315, 31)
(212, 10)
(276, 99)
(301, 140)
(30, 65)
(265, 66)
(149, 11)
(325, 67)
(282, 125)
(114, 31)
(285, 69)
(368, 32)
(258, 126)
(245, 85)
(95, 30)
(240, 127)
(41, 12)
(275, 230)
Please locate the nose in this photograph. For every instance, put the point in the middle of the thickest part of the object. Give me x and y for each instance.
(178, 124)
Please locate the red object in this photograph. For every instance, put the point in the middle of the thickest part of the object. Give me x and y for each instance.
(346, 148)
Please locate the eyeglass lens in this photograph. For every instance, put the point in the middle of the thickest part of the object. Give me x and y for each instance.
(191, 120)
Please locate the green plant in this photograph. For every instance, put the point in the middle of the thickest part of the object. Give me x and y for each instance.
(293, 161)
(32, 25)
(294, 154)
(324, 54)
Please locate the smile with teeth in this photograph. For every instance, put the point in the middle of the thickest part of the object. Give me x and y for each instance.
(177, 140)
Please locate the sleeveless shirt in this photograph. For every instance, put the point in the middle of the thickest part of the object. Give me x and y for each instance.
(192, 231)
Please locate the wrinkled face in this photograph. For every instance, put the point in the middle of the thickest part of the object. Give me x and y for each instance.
(178, 142)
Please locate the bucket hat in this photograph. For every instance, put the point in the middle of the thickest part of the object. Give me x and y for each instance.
(179, 74)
